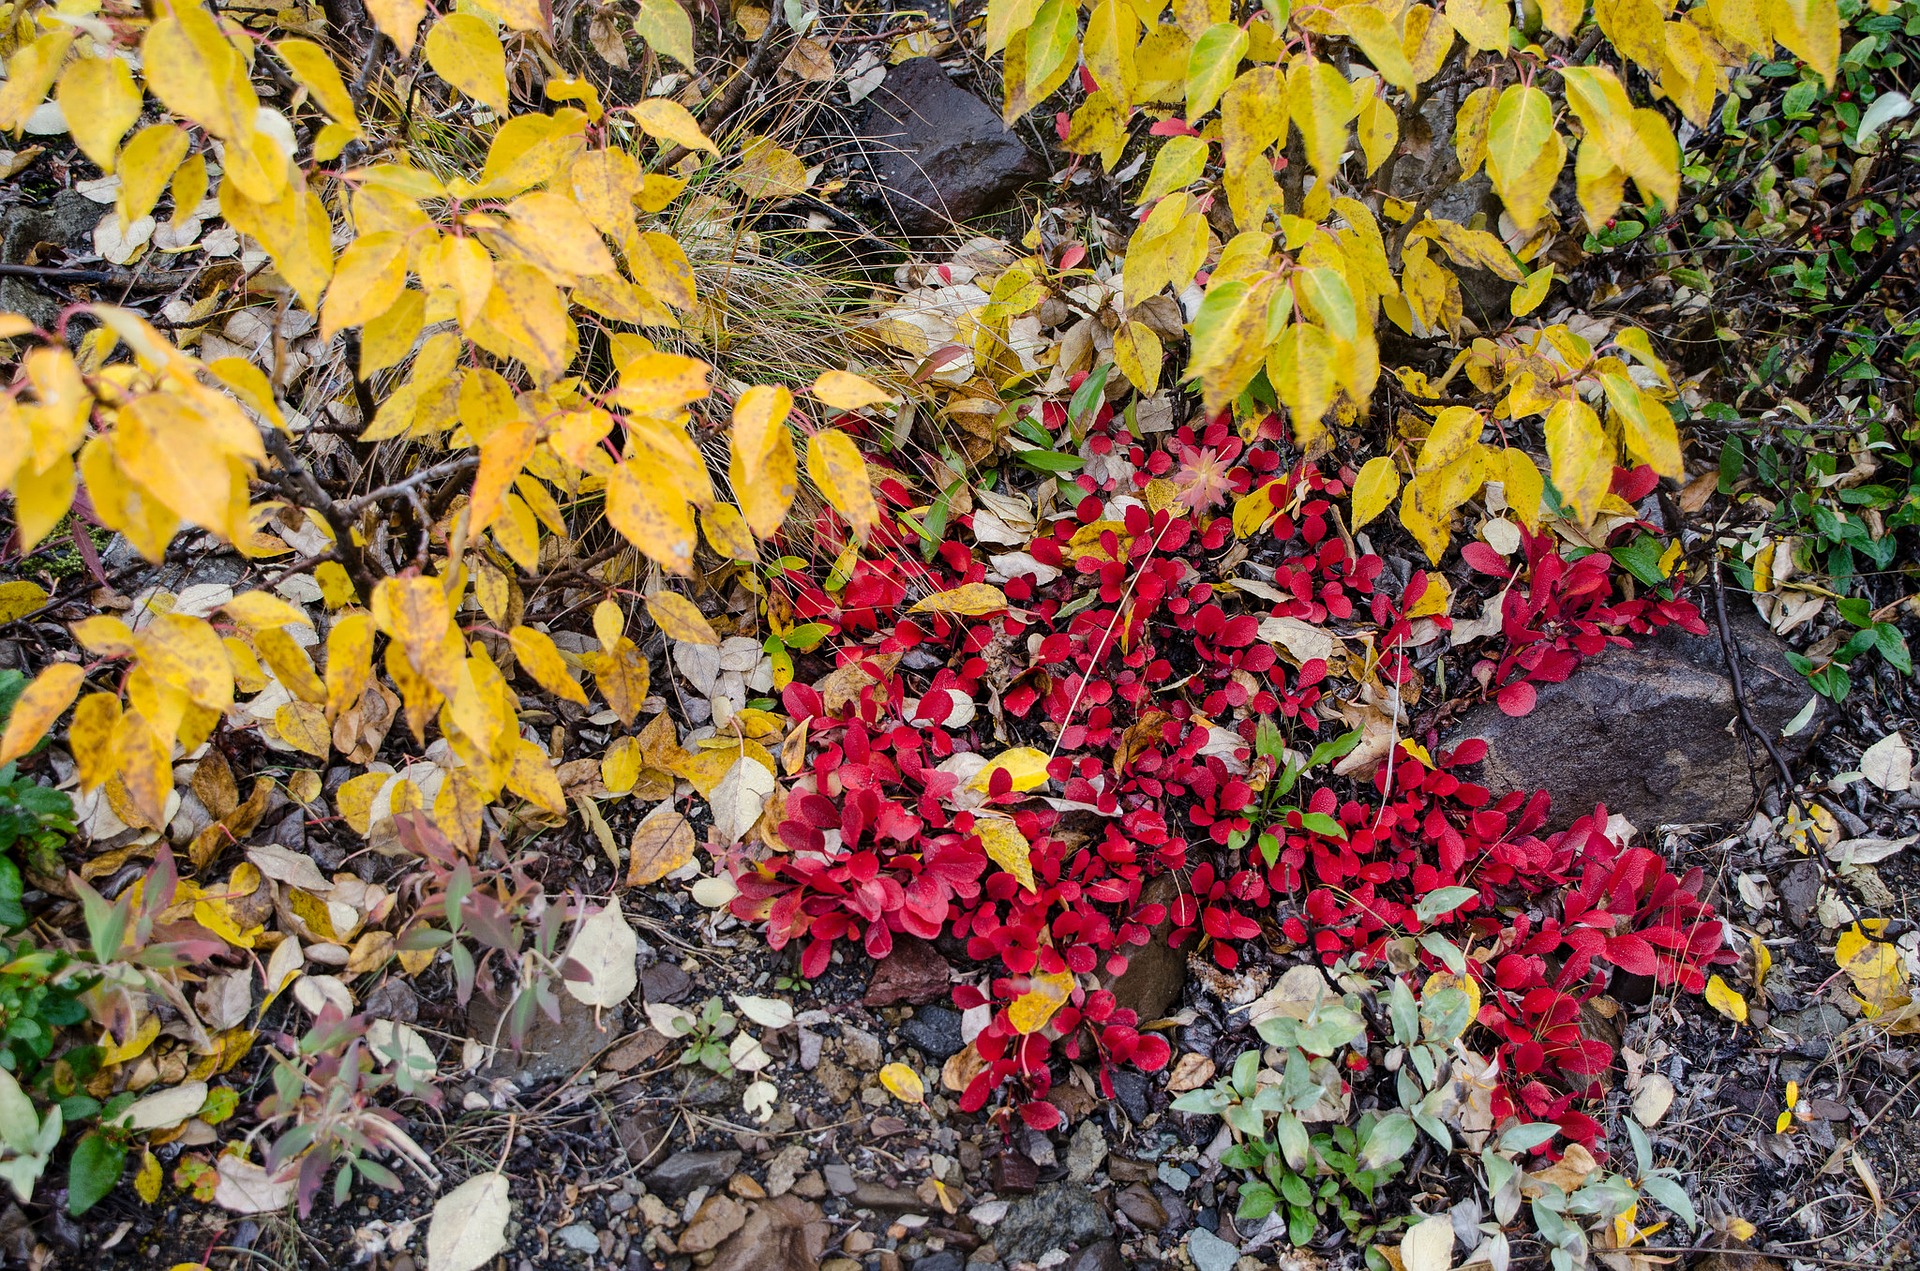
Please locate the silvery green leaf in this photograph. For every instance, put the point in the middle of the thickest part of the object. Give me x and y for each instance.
(1672, 1197)
(1444, 949)
(1885, 109)
(1295, 1148)
(18, 1123)
(1442, 901)
(1389, 1140)
(1527, 1136)
(1435, 1128)
(1642, 1149)
(21, 1173)
(1404, 1012)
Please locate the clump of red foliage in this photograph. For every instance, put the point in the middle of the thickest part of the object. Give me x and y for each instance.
(874, 843)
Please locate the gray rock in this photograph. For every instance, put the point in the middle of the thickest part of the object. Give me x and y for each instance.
(1645, 730)
(1130, 1088)
(861, 1048)
(67, 220)
(840, 1180)
(550, 1051)
(578, 1236)
(945, 1260)
(1800, 892)
(935, 1032)
(940, 154)
(1210, 1253)
(1058, 1216)
(684, 1171)
(665, 982)
(1086, 1152)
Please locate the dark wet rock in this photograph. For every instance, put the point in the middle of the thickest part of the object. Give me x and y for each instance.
(644, 1137)
(1103, 1255)
(935, 1031)
(684, 1171)
(1059, 1216)
(1156, 972)
(65, 221)
(1645, 731)
(550, 1051)
(940, 154)
(883, 1199)
(665, 982)
(1013, 1172)
(1130, 1088)
(913, 973)
(783, 1234)
(945, 1260)
(1142, 1207)
(1800, 892)
(394, 1000)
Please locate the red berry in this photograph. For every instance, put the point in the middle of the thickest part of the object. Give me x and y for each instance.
(1611, 222)
(1846, 95)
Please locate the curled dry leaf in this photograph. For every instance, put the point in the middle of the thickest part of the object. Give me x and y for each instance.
(1428, 1245)
(246, 1188)
(1652, 1099)
(737, 800)
(469, 1224)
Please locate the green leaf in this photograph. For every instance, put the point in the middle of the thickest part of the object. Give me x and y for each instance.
(1641, 558)
(98, 1162)
(1256, 1201)
(1444, 949)
(1211, 66)
(1092, 391)
(1672, 1197)
(1441, 901)
(1048, 460)
(1321, 823)
(1390, 1139)
(1527, 1136)
(1328, 751)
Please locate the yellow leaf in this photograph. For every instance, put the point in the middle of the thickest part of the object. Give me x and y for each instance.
(681, 619)
(620, 766)
(768, 171)
(1027, 767)
(30, 73)
(100, 101)
(398, 20)
(1481, 23)
(368, 279)
(40, 703)
(604, 183)
(662, 843)
(840, 473)
(1528, 295)
(670, 121)
(1524, 154)
(464, 51)
(644, 504)
(314, 67)
(844, 390)
(1374, 489)
(1007, 847)
(18, 599)
(1320, 102)
(1375, 33)
(1645, 424)
(303, 726)
(262, 610)
(336, 587)
(1524, 488)
(1300, 367)
(1465, 983)
(532, 778)
(146, 1182)
(502, 455)
(1810, 28)
(727, 532)
(903, 1083)
(1725, 1000)
(1047, 994)
(90, 737)
(349, 661)
(414, 612)
(763, 467)
(609, 624)
(1582, 462)
(623, 676)
(1138, 353)
(551, 231)
(971, 600)
(290, 664)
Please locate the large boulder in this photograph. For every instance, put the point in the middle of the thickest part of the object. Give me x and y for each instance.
(1651, 732)
(941, 155)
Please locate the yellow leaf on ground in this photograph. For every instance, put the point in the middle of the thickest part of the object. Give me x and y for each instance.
(1007, 847)
(1723, 999)
(680, 619)
(903, 1083)
(1373, 489)
(971, 600)
(1027, 767)
(1047, 994)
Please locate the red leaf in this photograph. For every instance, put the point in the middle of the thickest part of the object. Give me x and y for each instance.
(1517, 698)
(1632, 953)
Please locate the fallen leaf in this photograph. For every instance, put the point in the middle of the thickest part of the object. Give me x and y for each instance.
(904, 1083)
(606, 947)
(469, 1224)
(662, 843)
(1428, 1245)
(1652, 1099)
(1888, 763)
(1725, 1000)
(969, 600)
(246, 1188)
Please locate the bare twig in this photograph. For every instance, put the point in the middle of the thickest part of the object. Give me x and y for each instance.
(406, 486)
